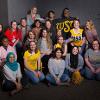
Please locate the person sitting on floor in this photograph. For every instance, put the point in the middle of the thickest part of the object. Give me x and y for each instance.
(5, 48)
(56, 66)
(92, 60)
(74, 64)
(32, 62)
(12, 75)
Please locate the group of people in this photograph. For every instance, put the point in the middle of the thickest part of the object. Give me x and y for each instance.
(34, 50)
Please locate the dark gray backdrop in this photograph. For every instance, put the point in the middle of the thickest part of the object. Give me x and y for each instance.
(84, 9)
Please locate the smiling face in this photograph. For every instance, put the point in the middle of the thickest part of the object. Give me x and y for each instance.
(60, 40)
(58, 54)
(75, 50)
(5, 42)
(34, 10)
(95, 45)
(11, 58)
(32, 46)
(88, 25)
(51, 15)
(48, 24)
(66, 13)
(31, 35)
(76, 24)
(14, 25)
(37, 24)
(44, 33)
(23, 22)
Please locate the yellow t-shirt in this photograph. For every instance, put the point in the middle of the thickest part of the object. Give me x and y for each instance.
(58, 45)
(31, 59)
(77, 37)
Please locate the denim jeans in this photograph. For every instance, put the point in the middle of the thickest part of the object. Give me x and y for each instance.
(63, 78)
(33, 77)
(90, 75)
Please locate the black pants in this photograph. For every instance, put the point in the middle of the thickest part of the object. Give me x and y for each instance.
(44, 60)
(8, 85)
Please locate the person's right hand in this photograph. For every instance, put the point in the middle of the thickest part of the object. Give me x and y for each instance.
(72, 44)
(58, 81)
(18, 86)
(35, 73)
(92, 69)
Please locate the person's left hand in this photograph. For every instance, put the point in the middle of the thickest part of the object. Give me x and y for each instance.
(39, 73)
(58, 81)
(97, 70)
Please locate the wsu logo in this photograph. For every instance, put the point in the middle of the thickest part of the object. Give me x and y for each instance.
(65, 26)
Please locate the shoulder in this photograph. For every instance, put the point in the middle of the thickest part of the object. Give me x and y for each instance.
(7, 30)
(10, 47)
(80, 57)
(38, 52)
(40, 39)
(26, 53)
(18, 64)
(68, 55)
(5, 66)
(81, 29)
(63, 61)
(1, 47)
(51, 59)
(89, 50)
(71, 30)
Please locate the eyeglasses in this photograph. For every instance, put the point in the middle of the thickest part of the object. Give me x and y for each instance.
(95, 44)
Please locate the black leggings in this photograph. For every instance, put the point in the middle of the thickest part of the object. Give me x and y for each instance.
(8, 85)
(44, 60)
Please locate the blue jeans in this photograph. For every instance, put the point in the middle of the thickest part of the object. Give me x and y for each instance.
(90, 75)
(63, 78)
(82, 49)
(33, 77)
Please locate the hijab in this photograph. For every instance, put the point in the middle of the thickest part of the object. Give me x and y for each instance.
(73, 60)
(13, 66)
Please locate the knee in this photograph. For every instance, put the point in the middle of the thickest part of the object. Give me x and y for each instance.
(98, 77)
(89, 76)
(42, 77)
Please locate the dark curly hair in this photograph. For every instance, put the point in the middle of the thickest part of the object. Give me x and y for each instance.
(57, 49)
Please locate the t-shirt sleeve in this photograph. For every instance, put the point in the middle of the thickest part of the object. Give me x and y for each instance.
(87, 53)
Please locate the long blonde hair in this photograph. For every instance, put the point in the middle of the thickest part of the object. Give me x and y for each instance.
(48, 39)
(92, 27)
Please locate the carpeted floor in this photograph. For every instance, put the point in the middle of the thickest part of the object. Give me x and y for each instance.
(88, 90)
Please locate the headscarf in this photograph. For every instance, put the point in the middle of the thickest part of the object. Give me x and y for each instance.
(73, 60)
(13, 66)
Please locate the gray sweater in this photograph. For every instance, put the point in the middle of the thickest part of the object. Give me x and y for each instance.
(80, 62)
(56, 68)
